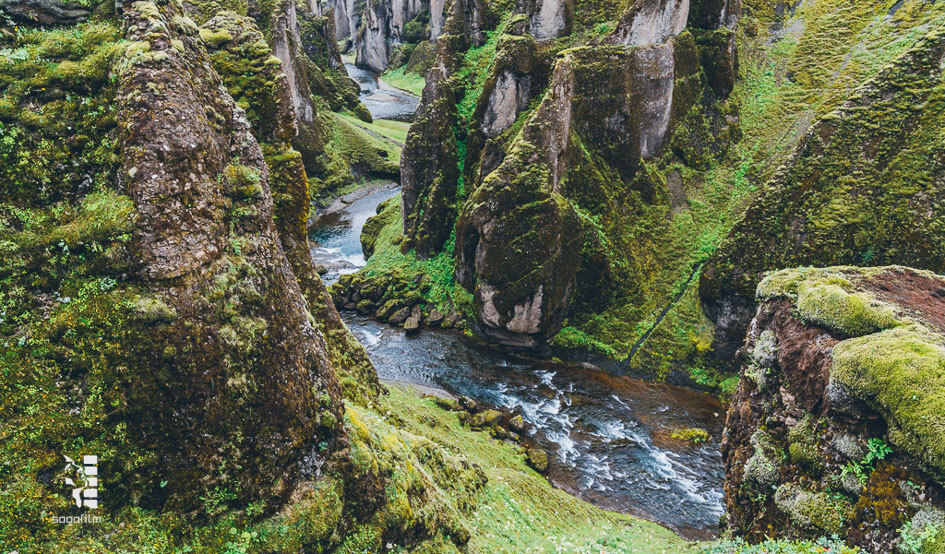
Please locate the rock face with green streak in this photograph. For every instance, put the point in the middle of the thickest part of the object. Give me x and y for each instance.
(863, 187)
(429, 164)
(836, 424)
(245, 377)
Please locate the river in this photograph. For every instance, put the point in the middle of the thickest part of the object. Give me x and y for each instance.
(607, 435)
(381, 99)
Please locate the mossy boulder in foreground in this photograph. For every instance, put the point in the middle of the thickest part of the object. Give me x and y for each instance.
(840, 402)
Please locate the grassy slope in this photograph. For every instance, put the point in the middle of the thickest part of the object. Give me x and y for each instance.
(824, 52)
(395, 131)
(402, 80)
(519, 511)
(363, 147)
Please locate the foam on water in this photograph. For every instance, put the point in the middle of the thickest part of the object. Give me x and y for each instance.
(599, 430)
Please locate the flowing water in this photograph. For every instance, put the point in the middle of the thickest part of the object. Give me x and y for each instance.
(607, 436)
(382, 100)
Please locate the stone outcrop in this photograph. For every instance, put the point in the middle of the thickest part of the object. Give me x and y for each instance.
(547, 19)
(248, 67)
(244, 376)
(383, 25)
(45, 12)
(834, 428)
(518, 238)
(429, 170)
(854, 192)
(526, 246)
(651, 22)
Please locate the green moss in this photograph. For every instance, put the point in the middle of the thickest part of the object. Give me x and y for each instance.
(826, 297)
(813, 509)
(763, 467)
(924, 533)
(900, 373)
(57, 109)
(215, 39)
(850, 314)
(694, 436)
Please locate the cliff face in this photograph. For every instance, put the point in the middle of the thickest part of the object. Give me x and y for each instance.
(861, 188)
(554, 131)
(201, 336)
(834, 427)
(210, 256)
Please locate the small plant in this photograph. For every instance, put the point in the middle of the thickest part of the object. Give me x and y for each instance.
(877, 450)
(914, 539)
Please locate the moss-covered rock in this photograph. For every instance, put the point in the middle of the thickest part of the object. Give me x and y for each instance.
(848, 399)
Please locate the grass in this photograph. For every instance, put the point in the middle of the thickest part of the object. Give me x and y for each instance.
(366, 152)
(395, 131)
(409, 82)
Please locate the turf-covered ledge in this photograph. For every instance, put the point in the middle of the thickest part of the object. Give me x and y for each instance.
(893, 360)
(829, 298)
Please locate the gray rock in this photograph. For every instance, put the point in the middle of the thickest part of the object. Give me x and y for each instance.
(434, 318)
(399, 316)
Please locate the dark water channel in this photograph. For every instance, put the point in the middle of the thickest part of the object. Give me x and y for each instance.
(608, 437)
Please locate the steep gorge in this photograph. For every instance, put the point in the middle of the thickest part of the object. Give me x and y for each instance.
(572, 169)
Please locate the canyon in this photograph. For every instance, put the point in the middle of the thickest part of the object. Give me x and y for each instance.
(473, 276)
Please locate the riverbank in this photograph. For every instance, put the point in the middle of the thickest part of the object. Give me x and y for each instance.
(608, 438)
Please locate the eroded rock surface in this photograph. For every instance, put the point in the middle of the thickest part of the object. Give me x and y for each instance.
(833, 429)
(245, 376)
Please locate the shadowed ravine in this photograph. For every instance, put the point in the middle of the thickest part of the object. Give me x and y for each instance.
(608, 436)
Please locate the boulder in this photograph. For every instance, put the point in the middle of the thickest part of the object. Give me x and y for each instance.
(485, 418)
(412, 324)
(537, 459)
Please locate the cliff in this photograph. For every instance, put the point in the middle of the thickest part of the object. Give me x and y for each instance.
(861, 188)
(181, 341)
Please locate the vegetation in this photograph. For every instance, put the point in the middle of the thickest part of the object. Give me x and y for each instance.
(400, 78)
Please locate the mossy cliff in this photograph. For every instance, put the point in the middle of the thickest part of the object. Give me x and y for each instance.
(548, 158)
(861, 188)
(658, 172)
(254, 76)
(158, 309)
(834, 428)
(170, 336)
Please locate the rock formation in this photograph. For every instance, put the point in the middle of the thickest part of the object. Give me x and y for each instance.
(834, 427)
(521, 245)
(231, 315)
